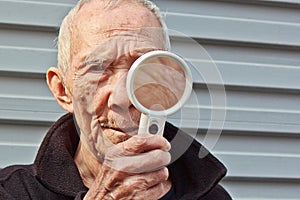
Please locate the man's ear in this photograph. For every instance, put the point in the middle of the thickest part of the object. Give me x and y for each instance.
(61, 94)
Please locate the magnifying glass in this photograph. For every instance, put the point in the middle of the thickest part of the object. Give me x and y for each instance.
(158, 84)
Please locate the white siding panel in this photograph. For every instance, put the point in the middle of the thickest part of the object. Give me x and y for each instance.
(13, 37)
(242, 30)
(279, 11)
(16, 154)
(25, 60)
(263, 189)
(255, 46)
(28, 13)
(19, 142)
(23, 87)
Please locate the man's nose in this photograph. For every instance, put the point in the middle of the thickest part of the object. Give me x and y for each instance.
(118, 99)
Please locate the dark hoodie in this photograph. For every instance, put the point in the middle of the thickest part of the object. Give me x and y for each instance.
(54, 175)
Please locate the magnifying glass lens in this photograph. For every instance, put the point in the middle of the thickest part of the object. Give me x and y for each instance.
(159, 83)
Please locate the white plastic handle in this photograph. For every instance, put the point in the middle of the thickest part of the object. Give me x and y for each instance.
(152, 124)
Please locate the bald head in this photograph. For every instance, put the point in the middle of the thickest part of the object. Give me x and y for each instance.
(95, 22)
(108, 9)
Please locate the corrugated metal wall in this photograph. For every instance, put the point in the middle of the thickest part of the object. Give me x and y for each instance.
(256, 46)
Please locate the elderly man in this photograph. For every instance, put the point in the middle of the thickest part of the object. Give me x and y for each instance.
(94, 151)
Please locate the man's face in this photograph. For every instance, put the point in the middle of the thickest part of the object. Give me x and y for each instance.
(104, 45)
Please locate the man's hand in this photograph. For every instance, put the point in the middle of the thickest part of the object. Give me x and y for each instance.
(134, 169)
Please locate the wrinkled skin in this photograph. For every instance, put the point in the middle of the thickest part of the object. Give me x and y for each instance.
(134, 169)
(100, 95)
(114, 162)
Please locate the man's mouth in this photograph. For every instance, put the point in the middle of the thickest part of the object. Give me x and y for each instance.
(128, 130)
(124, 130)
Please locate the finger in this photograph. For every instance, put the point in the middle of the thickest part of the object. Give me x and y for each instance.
(154, 193)
(106, 181)
(146, 142)
(147, 180)
(112, 180)
(149, 161)
(140, 183)
(140, 163)
(109, 196)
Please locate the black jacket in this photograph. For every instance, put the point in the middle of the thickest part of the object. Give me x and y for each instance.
(54, 175)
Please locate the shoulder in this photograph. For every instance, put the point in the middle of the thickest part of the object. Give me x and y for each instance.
(15, 181)
(21, 182)
(18, 178)
(16, 172)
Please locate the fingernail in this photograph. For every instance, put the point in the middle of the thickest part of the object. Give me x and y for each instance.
(168, 146)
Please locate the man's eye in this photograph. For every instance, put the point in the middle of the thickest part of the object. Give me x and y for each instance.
(97, 68)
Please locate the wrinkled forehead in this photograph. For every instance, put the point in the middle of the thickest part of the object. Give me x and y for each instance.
(115, 32)
(126, 44)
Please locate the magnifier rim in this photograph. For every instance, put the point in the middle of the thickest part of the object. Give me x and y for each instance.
(131, 76)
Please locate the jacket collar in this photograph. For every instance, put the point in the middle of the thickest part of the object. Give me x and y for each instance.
(191, 176)
(54, 163)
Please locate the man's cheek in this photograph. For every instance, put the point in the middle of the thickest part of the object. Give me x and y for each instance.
(84, 93)
(100, 99)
